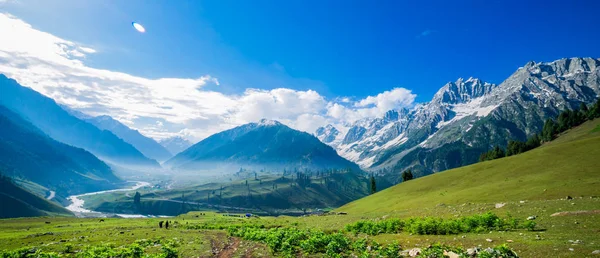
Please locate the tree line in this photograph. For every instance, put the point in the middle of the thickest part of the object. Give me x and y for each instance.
(566, 120)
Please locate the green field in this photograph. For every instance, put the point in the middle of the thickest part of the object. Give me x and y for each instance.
(559, 183)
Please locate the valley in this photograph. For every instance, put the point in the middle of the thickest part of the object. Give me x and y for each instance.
(483, 170)
(532, 188)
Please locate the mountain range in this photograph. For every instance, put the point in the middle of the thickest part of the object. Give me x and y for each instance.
(45, 114)
(175, 144)
(465, 118)
(266, 144)
(27, 153)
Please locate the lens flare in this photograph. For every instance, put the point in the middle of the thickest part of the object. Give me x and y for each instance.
(138, 27)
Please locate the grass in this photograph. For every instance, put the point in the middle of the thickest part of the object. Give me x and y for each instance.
(82, 233)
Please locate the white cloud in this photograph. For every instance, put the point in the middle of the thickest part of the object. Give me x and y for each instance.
(165, 107)
(398, 97)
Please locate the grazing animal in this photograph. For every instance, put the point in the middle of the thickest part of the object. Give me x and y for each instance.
(167, 225)
(160, 224)
(47, 222)
(101, 220)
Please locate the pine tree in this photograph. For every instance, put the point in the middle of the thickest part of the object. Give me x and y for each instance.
(407, 175)
(373, 185)
(549, 131)
(583, 112)
(137, 200)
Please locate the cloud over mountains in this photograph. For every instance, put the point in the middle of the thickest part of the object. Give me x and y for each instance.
(164, 107)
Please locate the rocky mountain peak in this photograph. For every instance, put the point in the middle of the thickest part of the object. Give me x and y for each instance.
(268, 122)
(462, 91)
(564, 67)
(327, 134)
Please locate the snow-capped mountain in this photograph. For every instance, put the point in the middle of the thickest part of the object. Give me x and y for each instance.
(175, 144)
(467, 117)
(330, 135)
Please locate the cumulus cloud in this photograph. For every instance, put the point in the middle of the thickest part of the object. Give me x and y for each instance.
(167, 107)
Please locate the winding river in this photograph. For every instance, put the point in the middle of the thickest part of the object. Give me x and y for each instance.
(76, 205)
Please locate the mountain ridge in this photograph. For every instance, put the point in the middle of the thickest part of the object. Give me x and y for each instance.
(30, 154)
(175, 144)
(146, 145)
(470, 116)
(52, 119)
(267, 143)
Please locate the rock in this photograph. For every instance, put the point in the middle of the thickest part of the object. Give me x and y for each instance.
(571, 249)
(596, 252)
(500, 205)
(569, 197)
(531, 217)
(538, 237)
(451, 254)
(521, 201)
(509, 241)
(414, 252)
(472, 252)
(489, 240)
(463, 236)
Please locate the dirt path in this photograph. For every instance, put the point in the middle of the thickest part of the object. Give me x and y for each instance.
(226, 251)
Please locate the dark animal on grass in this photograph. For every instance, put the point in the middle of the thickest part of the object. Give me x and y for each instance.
(160, 224)
(47, 222)
(101, 220)
(167, 225)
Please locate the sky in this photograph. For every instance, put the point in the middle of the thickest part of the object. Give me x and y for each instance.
(205, 66)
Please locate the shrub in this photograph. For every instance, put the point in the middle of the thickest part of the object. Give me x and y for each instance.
(436, 226)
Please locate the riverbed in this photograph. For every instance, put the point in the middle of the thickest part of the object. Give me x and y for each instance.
(76, 205)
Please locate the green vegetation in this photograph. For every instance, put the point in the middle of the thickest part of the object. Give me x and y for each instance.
(291, 242)
(439, 226)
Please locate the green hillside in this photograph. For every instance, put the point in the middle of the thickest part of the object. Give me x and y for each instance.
(18, 202)
(567, 166)
(267, 193)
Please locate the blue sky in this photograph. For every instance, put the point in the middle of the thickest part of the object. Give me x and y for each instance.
(337, 48)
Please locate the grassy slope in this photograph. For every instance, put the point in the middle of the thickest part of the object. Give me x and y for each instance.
(570, 165)
(18, 202)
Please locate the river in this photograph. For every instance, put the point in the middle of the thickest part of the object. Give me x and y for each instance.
(76, 205)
